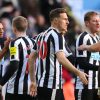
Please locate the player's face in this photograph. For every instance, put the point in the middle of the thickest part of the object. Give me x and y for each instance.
(94, 24)
(63, 23)
(1, 30)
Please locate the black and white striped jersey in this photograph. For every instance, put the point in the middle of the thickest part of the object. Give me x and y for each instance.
(49, 70)
(2, 40)
(88, 61)
(20, 49)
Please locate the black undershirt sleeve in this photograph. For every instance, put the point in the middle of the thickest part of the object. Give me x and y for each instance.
(11, 68)
(71, 58)
(84, 64)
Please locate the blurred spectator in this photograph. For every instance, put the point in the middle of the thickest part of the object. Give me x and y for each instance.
(6, 8)
(47, 5)
(7, 26)
(31, 31)
(74, 29)
(28, 7)
(40, 23)
(16, 12)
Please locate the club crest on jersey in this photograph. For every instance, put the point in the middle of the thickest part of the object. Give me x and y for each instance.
(13, 51)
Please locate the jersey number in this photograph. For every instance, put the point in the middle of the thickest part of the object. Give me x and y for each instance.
(42, 49)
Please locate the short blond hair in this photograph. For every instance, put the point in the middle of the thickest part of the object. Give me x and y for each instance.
(20, 23)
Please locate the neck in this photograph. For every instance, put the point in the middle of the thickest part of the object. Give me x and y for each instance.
(20, 34)
(91, 32)
(56, 27)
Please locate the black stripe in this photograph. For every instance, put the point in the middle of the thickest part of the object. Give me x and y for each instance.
(94, 62)
(54, 78)
(19, 69)
(41, 70)
(49, 30)
(60, 76)
(88, 42)
(93, 80)
(67, 48)
(41, 62)
(25, 84)
(47, 65)
(88, 53)
(1, 70)
(32, 40)
(93, 40)
(97, 38)
(34, 44)
(59, 94)
(81, 41)
(60, 39)
(38, 37)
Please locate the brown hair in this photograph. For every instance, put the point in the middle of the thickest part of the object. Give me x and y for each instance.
(20, 23)
(88, 15)
(56, 13)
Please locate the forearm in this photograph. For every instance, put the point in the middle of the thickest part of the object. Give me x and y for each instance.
(11, 68)
(32, 70)
(32, 59)
(94, 48)
(67, 64)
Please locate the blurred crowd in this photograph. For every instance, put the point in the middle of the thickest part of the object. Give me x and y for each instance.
(37, 13)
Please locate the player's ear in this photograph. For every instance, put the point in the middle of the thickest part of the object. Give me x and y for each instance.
(86, 23)
(55, 20)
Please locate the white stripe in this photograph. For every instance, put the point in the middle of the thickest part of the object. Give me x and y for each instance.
(79, 94)
(57, 74)
(91, 61)
(96, 80)
(56, 40)
(90, 78)
(50, 82)
(53, 94)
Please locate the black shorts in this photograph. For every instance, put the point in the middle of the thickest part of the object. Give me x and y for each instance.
(19, 97)
(86, 94)
(50, 94)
